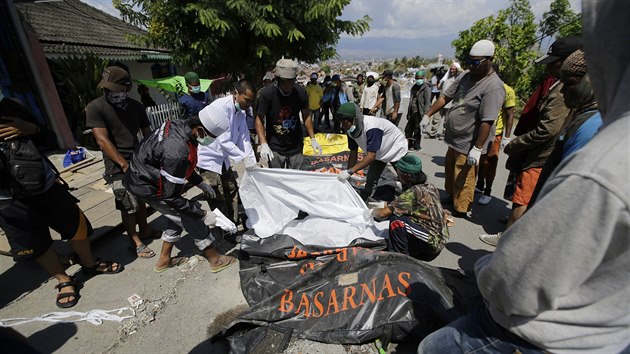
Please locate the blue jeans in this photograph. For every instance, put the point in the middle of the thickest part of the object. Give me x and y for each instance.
(475, 332)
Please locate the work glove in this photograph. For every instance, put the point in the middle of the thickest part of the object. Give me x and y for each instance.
(210, 219)
(265, 152)
(474, 155)
(207, 190)
(316, 147)
(344, 175)
(504, 142)
(223, 222)
(424, 122)
(250, 164)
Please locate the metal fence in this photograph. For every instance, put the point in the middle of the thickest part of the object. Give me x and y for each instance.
(161, 113)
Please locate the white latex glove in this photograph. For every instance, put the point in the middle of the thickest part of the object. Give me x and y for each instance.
(223, 222)
(424, 123)
(474, 155)
(504, 142)
(265, 152)
(316, 146)
(209, 191)
(250, 164)
(210, 219)
(344, 175)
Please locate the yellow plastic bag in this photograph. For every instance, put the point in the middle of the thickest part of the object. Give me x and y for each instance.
(331, 144)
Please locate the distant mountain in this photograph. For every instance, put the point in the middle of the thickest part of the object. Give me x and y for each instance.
(374, 47)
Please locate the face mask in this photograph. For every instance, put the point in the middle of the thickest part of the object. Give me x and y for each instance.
(205, 141)
(419, 82)
(370, 82)
(352, 129)
(118, 99)
(195, 89)
(238, 106)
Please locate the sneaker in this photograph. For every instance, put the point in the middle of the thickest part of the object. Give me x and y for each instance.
(484, 200)
(490, 239)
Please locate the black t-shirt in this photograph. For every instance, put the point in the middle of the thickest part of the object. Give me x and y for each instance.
(122, 126)
(282, 118)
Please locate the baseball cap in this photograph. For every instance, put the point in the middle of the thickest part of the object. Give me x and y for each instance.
(115, 79)
(214, 119)
(286, 69)
(560, 49)
(387, 73)
(336, 77)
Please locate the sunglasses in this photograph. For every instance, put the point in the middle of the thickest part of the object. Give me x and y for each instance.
(475, 62)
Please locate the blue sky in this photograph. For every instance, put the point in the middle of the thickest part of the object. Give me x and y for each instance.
(407, 27)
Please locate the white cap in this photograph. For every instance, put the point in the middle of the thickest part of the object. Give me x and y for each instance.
(215, 119)
(286, 69)
(483, 48)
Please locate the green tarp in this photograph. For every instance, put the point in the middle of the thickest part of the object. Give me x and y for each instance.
(170, 83)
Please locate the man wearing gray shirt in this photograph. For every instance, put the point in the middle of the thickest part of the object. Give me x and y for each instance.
(476, 98)
(559, 279)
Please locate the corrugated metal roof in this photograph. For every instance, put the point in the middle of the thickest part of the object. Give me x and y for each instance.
(71, 27)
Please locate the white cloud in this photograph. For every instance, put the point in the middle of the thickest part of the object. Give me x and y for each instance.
(429, 18)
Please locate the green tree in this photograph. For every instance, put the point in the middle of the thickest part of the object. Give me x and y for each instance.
(513, 32)
(559, 21)
(249, 36)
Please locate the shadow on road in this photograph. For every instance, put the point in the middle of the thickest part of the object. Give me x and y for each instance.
(468, 256)
(438, 160)
(51, 338)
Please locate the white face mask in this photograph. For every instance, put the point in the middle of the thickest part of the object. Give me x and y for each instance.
(205, 140)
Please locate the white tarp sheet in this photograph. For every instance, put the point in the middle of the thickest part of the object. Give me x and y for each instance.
(332, 233)
(272, 199)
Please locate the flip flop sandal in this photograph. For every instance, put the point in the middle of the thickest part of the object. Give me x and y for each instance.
(220, 268)
(109, 268)
(77, 287)
(143, 249)
(175, 262)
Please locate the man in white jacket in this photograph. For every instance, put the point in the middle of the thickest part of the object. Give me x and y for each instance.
(235, 145)
(559, 280)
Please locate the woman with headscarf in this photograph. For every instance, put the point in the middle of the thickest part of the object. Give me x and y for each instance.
(585, 119)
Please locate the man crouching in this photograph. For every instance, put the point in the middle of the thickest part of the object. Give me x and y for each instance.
(417, 225)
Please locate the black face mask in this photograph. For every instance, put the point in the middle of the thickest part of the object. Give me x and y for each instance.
(370, 82)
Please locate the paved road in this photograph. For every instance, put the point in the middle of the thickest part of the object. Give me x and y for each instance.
(182, 304)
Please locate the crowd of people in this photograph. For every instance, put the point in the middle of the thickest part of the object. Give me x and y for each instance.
(558, 280)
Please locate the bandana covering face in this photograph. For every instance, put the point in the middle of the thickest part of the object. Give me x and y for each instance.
(117, 99)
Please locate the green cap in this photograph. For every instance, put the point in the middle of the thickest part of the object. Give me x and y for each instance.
(347, 110)
(420, 73)
(409, 164)
(191, 77)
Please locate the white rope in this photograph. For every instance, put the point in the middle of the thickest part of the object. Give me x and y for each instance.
(95, 317)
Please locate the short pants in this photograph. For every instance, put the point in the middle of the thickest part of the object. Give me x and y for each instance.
(26, 222)
(525, 184)
(125, 201)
